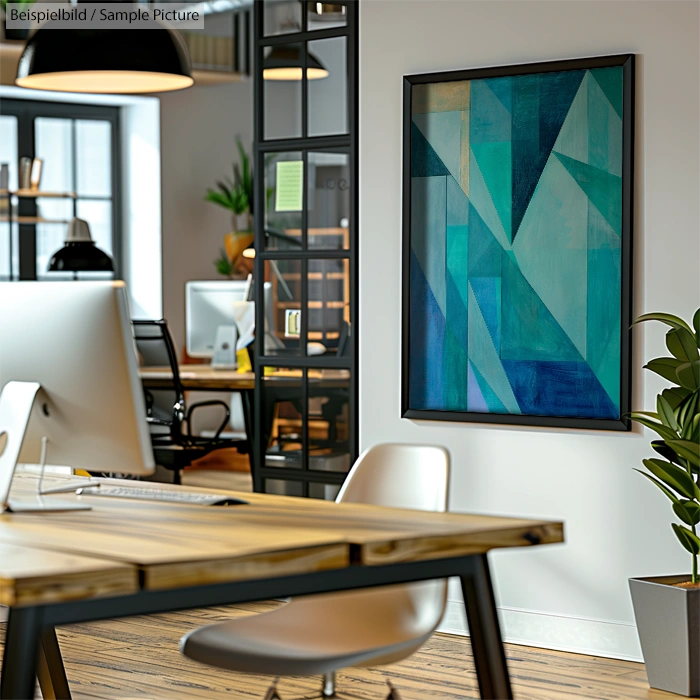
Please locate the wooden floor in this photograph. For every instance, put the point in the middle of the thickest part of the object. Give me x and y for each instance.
(138, 658)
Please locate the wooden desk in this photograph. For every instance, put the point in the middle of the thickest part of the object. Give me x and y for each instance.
(281, 385)
(198, 378)
(127, 558)
(204, 378)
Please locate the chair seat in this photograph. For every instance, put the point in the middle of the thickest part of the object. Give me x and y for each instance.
(317, 634)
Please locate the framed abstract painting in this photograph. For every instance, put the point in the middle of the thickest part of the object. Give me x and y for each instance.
(517, 225)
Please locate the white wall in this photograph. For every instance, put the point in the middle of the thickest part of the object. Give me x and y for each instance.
(571, 596)
(198, 146)
(141, 210)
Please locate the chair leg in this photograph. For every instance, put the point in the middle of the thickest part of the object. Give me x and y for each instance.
(272, 693)
(393, 693)
(328, 689)
(176, 477)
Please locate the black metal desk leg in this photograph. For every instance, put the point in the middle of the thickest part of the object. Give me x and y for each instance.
(484, 632)
(50, 669)
(18, 678)
(248, 419)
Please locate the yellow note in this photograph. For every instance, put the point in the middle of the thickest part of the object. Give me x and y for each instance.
(290, 185)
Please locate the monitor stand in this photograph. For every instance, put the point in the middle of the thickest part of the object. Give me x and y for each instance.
(225, 348)
(16, 402)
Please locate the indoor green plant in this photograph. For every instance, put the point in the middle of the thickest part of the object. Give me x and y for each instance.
(667, 608)
(237, 196)
(20, 33)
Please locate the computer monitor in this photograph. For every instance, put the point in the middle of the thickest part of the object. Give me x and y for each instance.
(69, 373)
(209, 305)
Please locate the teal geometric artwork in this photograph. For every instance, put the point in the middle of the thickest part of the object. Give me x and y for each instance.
(516, 231)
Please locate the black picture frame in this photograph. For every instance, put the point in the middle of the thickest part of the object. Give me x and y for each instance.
(627, 61)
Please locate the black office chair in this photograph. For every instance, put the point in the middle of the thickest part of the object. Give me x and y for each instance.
(169, 419)
(344, 340)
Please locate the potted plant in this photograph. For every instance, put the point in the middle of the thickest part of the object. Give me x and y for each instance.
(236, 196)
(667, 608)
(18, 33)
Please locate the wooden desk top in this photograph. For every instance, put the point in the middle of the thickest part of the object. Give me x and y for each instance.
(174, 545)
(195, 377)
(198, 377)
(30, 575)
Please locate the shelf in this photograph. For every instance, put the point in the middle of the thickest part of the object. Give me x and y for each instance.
(311, 304)
(33, 194)
(33, 220)
(337, 231)
(296, 276)
(30, 194)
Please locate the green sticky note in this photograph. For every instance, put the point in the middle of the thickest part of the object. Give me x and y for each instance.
(290, 185)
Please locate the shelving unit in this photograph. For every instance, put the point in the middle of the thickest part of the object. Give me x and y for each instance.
(11, 218)
(325, 294)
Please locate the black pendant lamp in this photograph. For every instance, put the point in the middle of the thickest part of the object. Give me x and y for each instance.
(105, 60)
(80, 254)
(284, 63)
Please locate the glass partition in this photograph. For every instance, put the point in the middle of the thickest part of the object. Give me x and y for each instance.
(306, 247)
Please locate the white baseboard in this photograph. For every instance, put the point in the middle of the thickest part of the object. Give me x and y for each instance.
(616, 640)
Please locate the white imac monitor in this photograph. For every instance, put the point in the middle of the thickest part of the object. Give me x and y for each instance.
(209, 305)
(69, 374)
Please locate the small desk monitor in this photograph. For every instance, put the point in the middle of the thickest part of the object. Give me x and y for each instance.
(209, 305)
(69, 373)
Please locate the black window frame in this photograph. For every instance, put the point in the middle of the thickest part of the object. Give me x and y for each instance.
(27, 111)
(348, 143)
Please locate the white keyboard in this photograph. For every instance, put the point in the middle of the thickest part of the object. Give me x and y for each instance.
(163, 495)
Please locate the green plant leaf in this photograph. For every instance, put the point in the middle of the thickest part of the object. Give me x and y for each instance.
(218, 198)
(665, 367)
(668, 319)
(682, 344)
(696, 325)
(693, 430)
(688, 375)
(679, 510)
(687, 511)
(694, 434)
(225, 189)
(689, 540)
(665, 432)
(687, 408)
(223, 264)
(687, 450)
(656, 482)
(665, 451)
(675, 395)
(674, 477)
(648, 414)
(666, 415)
(244, 174)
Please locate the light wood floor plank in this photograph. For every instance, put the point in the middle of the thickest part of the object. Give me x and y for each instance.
(138, 659)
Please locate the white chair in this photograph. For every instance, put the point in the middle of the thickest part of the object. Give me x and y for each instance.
(321, 634)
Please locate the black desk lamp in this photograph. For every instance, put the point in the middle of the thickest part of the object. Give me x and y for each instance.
(80, 254)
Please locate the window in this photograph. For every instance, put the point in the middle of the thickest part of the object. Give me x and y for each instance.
(79, 146)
